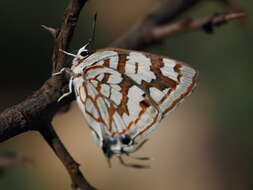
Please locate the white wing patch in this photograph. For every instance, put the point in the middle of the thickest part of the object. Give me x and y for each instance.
(100, 77)
(114, 62)
(119, 122)
(94, 83)
(168, 69)
(90, 90)
(135, 97)
(115, 78)
(116, 96)
(105, 90)
(138, 67)
(156, 94)
(103, 110)
(90, 107)
(116, 87)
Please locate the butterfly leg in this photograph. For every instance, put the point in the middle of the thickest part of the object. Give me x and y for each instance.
(68, 71)
(139, 158)
(63, 70)
(140, 166)
(137, 146)
(70, 89)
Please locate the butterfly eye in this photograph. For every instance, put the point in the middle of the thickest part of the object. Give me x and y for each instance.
(84, 53)
(126, 139)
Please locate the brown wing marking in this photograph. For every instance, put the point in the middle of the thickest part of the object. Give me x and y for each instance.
(121, 63)
(84, 102)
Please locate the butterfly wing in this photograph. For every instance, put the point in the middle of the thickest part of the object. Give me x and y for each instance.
(129, 92)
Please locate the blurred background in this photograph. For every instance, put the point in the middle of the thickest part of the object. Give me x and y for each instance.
(207, 143)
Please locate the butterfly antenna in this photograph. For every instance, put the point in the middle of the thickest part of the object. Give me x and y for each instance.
(139, 145)
(140, 158)
(109, 162)
(92, 39)
(67, 53)
(139, 166)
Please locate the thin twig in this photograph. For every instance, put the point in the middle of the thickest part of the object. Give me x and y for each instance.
(78, 180)
(187, 24)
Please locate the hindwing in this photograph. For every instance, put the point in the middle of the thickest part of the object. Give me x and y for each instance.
(128, 92)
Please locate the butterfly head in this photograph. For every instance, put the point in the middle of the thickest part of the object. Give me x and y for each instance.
(83, 52)
(115, 145)
(122, 145)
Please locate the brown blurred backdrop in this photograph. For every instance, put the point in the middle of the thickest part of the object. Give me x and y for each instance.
(205, 144)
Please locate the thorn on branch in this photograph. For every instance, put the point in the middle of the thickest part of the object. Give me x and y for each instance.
(51, 30)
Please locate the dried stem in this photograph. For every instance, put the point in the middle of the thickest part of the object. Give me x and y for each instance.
(187, 24)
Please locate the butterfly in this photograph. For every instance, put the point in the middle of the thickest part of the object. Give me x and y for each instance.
(124, 95)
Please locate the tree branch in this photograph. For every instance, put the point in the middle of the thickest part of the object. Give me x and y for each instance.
(42, 105)
(78, 180)
(139, 35)
(65, 33)
(27, 115)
